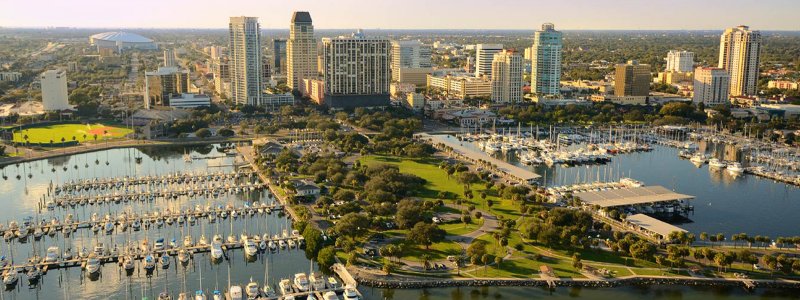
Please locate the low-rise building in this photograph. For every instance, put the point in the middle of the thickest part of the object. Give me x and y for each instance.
(10, 76)
(402, 88)
(306, 188)
(674, 77)
(415, 101)
(623, 100)
(186, 100)
(460, 84)
(273, 102)
(782, 84)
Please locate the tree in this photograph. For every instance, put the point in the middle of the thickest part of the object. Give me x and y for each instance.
(202, 133)
(498, 261)
(485, 260)
(426, 234)
(225, 132)
(326, 259)
(576, 261)
(468, 178)
(352, 224)
(387, 267)
(409, 213)
(314, 241)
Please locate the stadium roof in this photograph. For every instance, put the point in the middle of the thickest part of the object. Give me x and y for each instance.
(118, 36)
(630, 196)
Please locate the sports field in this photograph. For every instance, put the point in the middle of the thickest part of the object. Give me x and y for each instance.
(80, 132)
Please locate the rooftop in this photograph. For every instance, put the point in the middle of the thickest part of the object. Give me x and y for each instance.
(652, 224)
(301, 16)
(630, 196)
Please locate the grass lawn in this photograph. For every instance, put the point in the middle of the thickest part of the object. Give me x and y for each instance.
(45, 134)
(437, 252)
(459, 228)
(660, 272)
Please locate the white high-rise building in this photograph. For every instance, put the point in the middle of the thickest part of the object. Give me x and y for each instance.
(245, 60)
(680, 61)
(357, 71)
(411, 62)
(484, 54)
(169, 58)
(54, 90)
(507, 77)
(739, 55)
(301, 51)
(546, 62)
(711, 86)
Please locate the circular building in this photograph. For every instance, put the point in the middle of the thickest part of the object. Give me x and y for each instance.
(122, 40)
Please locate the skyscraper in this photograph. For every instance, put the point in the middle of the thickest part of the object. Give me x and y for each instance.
(546, 62)
(245, 60)
(160, 85)
(411, 62)
(632, 79)
(680, 61)
(507, 77)
(357, 71)
(739, 50)
(711, 86)
(169, 58)
(279, 52)
(484, 54)
(54, 90)
(301, 50)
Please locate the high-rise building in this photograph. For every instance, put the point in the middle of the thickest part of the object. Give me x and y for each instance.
(54, 90)
(279, 56)
(739, 50)
(266, 70)
(546, 62)
(160, 85)
(680, 61)
(301, 50)
(632, 79)
(244, 58)
(507, 77)
(357, 71)
(169, 58)
(711, 86)
(484, 54)
(411, 62)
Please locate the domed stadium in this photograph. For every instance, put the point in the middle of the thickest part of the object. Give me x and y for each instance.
(122, 40)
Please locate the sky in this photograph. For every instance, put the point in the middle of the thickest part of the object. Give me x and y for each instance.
(408, 14)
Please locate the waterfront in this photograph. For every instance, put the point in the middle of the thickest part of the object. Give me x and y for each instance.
(23, 197)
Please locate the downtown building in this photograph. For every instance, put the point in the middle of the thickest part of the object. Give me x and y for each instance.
(357, 71)
(739, 56)
(546, 62)
(279, 57)
(163, 84)
(711, 86)
(245, 60)
(301, 51)
(54, 90)
(484, 54)
(507, 77)
(411, 62)
(680, 61)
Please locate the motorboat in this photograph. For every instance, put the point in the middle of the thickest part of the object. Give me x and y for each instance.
(216, 250)
(93, 265)
(350, 293)
(699, 158)
(285, 286)
(252, 289)
(317, 281)
(250, 248)
(330, 295)
(10, 277)
(159, 244)
(301, 282)
(235, 293)
(52, 255)
(716, 163)
(735, 168)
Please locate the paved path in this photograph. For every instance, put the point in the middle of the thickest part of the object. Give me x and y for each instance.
(490, 224)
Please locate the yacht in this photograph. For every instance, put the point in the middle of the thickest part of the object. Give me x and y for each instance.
(252, 289)
(330, 295)
(250, 248)
(93, 265)
(10, 277)
(52, 254)
(216, 250)
(699, 158)
(716, 163)
(317, 281)
(235, 293)
(301, 281)
(350, 293)
(183, 256)
(735, 168)
(285, 286)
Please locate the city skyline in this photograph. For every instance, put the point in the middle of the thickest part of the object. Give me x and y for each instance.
(706, 15)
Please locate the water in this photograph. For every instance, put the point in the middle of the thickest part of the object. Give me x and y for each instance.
(22, 197)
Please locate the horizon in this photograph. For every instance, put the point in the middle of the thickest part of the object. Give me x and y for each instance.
(768, 15)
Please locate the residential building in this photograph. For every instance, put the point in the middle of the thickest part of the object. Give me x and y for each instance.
(546, 62)
(711, 86)
(782, 84)
(674, 77)
(279, 56)
(306, 188)
(266, 70)
(72, 66)
(622, 100)
(632, 79)
(10, 76)
(397, 88)
(222, 77)
(461, 85)
(169, 58)
(415, 101)
(739, 56)
(484, 54)
(315, 89)
(411, 62)
(54, 90)
(185, 101)
(161, 84)
(301, 50)
(245, 60)
(680, 61)
(507, 77)
(357, 71)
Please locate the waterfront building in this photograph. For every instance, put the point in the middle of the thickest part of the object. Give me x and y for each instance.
(484, 54)
(507, 77)
(711, 86)
(185, 101)
(357, 71)
(739, 56)
(680, 61)
(169, 58)
(632, 79)
(279, 56)
(301, 50)
(161, 84)
(460, 84)
(411, 62)
(546, 62)
(54, 90)
(244, 34)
